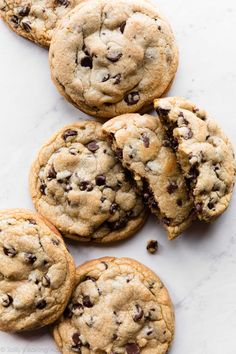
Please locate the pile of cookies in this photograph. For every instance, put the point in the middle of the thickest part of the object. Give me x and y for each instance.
(97, 182)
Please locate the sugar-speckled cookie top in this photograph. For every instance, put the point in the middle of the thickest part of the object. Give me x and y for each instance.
(118, 307)
(35, 19)
(81, 187)
(204, 153)
(142, 146)
(110, 57)
(36, 271)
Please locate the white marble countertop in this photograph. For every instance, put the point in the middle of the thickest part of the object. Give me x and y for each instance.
(199, 268)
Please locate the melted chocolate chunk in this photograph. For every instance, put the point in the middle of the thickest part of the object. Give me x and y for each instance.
(172, 187)
(14, 19)
(145, 140)
(152, 246)
(139, 313)
(32, 221)
(119, 153)
(189, 135)
(113, 208)
(198, 207)
(24, 11)
(105, 78)
(26, 26)
(122, 26)
(87, 302)
(117, 79)
(68, 133)
(52, 173)
(179, 202)
(76, 338)
(41, 304)
(119, 224)
(65, 3)
(162, 111)
(100, 180)
(86, 186)
(132, 98)
(132, 348)
(87, 62)
(7, 300)
(43, 188)
(30, 257)
(10, 251)
(210, 205)
(92, 146)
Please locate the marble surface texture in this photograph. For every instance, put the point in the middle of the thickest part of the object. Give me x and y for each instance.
(199, 268)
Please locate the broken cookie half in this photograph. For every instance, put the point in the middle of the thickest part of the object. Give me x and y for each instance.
(204, 154)
(141, 144)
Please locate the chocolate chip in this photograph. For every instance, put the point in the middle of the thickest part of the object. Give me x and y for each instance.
(189, 135)
(105, 78)
(89, 278)
(210, 205)
(113, 208)
(132, 98)
(122, 26)
(92, 146)
(159, 28)
(87, 62)
(26, 26)
(166, 221)
(162, 111)
(166, 143)
(52, 173)
(65, 3)
(172, 187)
(117, 79)
(114, 57)
(100, 180)
(114, 336)
(46, 281)
(132, 348)
(10, 251)
(15, 20)
(7, 300)
(179, 202)
(87, 302)
(148, 198)
(76, 338)
(152, 246)
(32, 221)
(43, 188)
(41, 304)
(119, 224)
(119, 153)
(68, 133)
(68, 311)
(86, 186)
(24, 11)
(198, 207)
(139, 313)
(55, 242)
(145, 140)
(30, 257)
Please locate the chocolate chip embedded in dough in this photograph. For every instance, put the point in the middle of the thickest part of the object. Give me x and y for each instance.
(172, 187)
(69, 133)
(100, 180)
(132, 98)
(122, 26)
(132, 348)
(6, 300)
(87, 62)
(92, 146)
(41, 304)
(146, 140)
(87, 301)
(9, 251)
(24, 11)
(30, 257)
(139, 313)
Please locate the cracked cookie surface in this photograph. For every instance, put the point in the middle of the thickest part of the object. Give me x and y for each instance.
(79, 185)
(110, 57)
(35, 19)
(142, 146)
(204, 152)
(37, 272)
(138, 316)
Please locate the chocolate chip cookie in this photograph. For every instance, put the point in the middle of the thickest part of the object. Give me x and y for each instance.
(204, 153)
(141, 144)
(138, 316)
(79, 185)
(37, 272)
(35, 19)
(110, 57)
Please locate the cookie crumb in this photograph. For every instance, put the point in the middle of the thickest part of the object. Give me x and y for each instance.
(152, 246)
